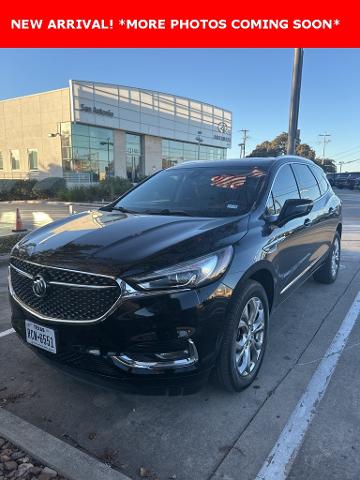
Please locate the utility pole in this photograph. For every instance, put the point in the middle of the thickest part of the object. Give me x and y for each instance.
(242, 145)
(325, 139)
(295, 100)
(345, 163)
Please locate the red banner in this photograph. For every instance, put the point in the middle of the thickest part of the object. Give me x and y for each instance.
(185, 24)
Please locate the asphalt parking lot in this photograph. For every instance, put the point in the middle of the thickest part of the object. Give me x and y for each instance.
(212, 434)
(35, 214)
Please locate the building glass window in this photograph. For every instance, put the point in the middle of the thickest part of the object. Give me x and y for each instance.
(15, 159)
(174, 152)
(134, 158)
(1, 161)
(33, 158)
(87, 152)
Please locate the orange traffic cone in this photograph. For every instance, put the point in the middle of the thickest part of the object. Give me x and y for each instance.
(19, 227)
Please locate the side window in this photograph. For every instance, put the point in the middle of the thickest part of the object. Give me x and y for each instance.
(284, 188)
(321, 178)
(308, 186)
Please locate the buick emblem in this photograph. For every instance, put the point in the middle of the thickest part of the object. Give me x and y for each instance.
(39, 286)
(223, 127)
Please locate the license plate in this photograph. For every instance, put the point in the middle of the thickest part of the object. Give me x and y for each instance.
(40, 336)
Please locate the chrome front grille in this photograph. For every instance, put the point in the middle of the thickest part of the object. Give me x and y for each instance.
(70, 296)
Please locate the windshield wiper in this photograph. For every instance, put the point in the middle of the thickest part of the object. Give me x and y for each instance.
(120, 209)
(166, 211)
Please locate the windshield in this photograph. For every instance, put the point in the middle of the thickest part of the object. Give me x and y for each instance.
(199, 191)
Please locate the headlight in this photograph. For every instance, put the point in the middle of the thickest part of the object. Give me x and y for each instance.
(188, 274)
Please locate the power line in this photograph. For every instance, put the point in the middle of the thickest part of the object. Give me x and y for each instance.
(346, 163)
(349, 151)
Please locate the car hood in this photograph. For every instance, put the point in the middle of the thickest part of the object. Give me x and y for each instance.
(115, 242)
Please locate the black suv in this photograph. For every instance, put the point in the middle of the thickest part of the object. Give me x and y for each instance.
(177, 278)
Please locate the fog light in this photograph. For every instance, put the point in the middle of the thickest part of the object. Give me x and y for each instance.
(94, 351)
(169, 360)
(173, 355)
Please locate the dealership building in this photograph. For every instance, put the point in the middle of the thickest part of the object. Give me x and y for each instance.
(91, 131)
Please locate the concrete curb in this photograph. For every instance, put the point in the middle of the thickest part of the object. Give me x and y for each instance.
(54, 453)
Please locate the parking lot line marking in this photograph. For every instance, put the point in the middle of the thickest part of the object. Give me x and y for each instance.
(278, 463)
(7, 332)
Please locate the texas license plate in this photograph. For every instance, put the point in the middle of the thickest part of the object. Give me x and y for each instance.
(40, 336)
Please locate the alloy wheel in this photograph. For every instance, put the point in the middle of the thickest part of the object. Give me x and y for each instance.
(250, 336)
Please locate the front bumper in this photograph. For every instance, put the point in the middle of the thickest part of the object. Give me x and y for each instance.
(153, 344)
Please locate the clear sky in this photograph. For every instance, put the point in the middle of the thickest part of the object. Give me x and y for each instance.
(253, 83)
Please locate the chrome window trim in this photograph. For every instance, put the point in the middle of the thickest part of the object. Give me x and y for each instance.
(277, 173)
(316, 180)
(325, 178)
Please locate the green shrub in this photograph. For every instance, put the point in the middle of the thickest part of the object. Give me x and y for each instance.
(114, 187)
(49, 187)
(7, 188)
(55, 188)
(17, 189)
(25, 189)
(107, 190)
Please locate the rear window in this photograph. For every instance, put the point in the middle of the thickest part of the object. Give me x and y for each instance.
(199, 191)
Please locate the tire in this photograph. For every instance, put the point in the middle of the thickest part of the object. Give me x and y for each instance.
(328, 272)
(239, 360)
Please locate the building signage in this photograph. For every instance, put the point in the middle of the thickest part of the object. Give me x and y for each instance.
(224, 128)
(97, 111)
(222, 138)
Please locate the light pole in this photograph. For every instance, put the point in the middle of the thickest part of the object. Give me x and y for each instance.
(108, 143)
(58, 134)
(199, 140)
(295, 100)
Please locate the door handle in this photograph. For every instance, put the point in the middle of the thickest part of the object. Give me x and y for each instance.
(307, 222)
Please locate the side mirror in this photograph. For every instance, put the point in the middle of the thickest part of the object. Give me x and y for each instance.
(292, 208)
